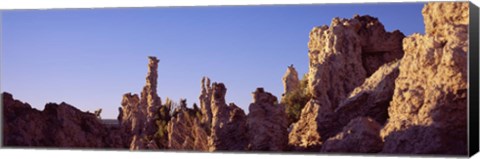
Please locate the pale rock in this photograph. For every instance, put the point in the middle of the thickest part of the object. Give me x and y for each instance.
(228, 130)
(342, 56)
(429, 106)
(267, 123)
(290, 80)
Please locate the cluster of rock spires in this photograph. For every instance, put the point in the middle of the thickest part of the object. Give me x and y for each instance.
(372, 91)
(414, 98)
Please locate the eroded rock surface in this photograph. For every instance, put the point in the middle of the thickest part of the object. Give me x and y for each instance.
(290, 80)
(228, 131)
(429, 106)
(205, 102)
(267, 123)
(185, 132)
(58, 125)
(371, 99)
(342, 57)
(139, 114)
(361, 135)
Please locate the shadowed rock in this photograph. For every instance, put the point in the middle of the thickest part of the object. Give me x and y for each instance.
(58, 125)
(342, 56)
(429, 105)
(361, 135)
(267, 123)
(228, 131)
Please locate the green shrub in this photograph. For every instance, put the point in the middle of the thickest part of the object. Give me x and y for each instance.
(295, 101)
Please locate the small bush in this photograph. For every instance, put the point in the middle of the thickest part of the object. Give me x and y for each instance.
(295, 101)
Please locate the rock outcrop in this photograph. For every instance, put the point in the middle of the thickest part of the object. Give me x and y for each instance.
(371, 99)
(205, 102)
(138, 114)
(228, 130)
(361, 135)
(185, 132)
(369, 91)
(428, 112)
(58, 125)
(342, 57)
(267, 123)
(290, 80)
(149, 96)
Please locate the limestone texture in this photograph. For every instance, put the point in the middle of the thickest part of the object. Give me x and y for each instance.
(342, 56)
(290, 80)
(428, 112)
(228, 130)
(361, 135)
(267, 123)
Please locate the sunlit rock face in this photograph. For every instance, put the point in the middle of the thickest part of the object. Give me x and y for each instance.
(228, 130)
(361, 135)
(267, 123)
(185, 132)
(205, 101)
(149, 96)
(290, 80)
(58, 125)
(342, 56)
(138, 114)
(428, 113)
(371, 99)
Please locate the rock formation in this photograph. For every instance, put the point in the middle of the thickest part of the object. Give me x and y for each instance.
(267, 123)
(341, 57)
(149, 95)
(361, 135)
(97, 113)
(371, 99)
(205, 101)
(185, 132)
(369, 91)
(228, 131)
(58, 125)
(428, 112)
(139, 114)
(290, 80)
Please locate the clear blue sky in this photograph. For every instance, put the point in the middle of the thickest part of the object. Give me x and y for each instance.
(90, 57)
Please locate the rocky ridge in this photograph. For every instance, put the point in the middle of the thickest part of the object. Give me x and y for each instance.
(58, 125)
(342, 56)
(372, 91)
(429, 105)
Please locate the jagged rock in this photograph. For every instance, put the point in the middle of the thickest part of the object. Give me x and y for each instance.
(138, 143)
(304, 135)
(371, 99)
(184, 131)
(97, 113)
(361, 135)
(428, 112)
(133, 116)
(139, 114)
(290, 80)
(228, 130)
(205, 101)
(58, 125)
(149, 96)
(341, 57)
(267, 123)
